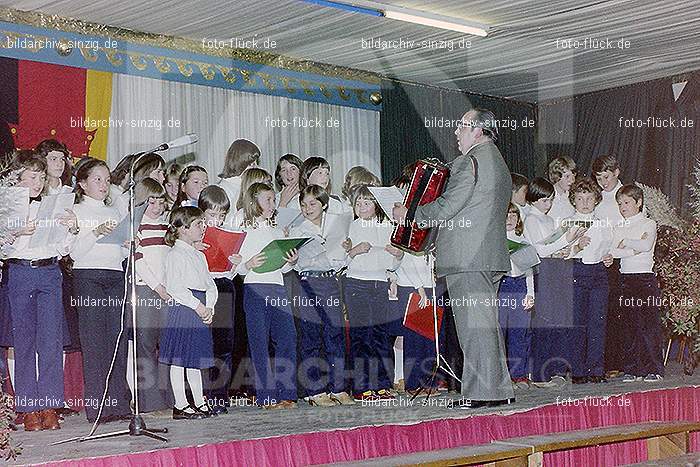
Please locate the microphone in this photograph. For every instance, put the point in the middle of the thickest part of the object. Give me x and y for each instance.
(190, 138)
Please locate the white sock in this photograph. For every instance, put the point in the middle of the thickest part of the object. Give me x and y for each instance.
(130, 368)
(398, 359)
(194, 377)
(11, 365)
(177, 382)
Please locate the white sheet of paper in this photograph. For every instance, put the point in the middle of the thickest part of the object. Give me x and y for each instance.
(335, 232)
(48, 230)
(120, 234)
(17, 210)
(312, 248)
(289, 218)
(387, 197)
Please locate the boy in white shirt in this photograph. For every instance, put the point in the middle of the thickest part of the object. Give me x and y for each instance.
(634, 243)
(606, 171)
(562, 174)
(590, 285)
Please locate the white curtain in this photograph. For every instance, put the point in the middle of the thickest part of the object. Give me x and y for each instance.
(146, 112)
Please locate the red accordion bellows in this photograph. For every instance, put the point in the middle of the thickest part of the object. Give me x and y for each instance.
(428, 182)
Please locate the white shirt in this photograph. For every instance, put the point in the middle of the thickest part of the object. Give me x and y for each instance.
(373, 265)
(515, 271)
(85, 251)
(539, 226)
(185, 269)
(20, 247)
(561, 207)
(601, 236)
(524, 211)
(413, 271)
(315, 256)
(232, 187)
(119, 200)
(637, 256)
(255, 240)
(60, 189)
(151, 252)
(608, 209)
(292, 204)
(335, 206)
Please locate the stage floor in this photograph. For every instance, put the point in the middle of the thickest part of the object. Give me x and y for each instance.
(243, 423)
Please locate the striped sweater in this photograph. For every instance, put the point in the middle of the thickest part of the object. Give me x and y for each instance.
(150, 254)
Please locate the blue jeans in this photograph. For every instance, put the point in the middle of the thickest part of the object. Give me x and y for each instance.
(590, 314)
(321, 325)
(418, 352)
(36, 306)
(642, 351)
(370, 348)
(515, 324)
(269, 321)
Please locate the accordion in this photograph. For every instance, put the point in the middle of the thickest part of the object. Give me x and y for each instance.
(427, 184)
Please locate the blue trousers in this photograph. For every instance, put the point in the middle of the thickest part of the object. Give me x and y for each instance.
(219, 376)
(643, 334)
(36, 307)
(418, 352)
(552, 321)
(370, 347)
(515, 324)
(321, 326)
(269, 321)
(99, 293)
(155, 392)
(590, 311)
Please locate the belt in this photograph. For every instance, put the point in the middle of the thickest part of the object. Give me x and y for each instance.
(33, 263)
(330, 273)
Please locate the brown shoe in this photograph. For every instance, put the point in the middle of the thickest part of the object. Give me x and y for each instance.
(49, 419)
(32, 421)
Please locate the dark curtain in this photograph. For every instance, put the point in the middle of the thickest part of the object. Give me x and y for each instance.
(8, 104)
(600, 123)
(408, 130)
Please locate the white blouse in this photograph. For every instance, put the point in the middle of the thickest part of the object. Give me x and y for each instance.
(255, 240)
(373, 265)
(637, 256)
(20, 247)
(539, 226)
(186, 270)
(561, 207)
(85, 251)
(601, 236)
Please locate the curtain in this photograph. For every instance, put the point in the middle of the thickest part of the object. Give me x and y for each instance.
(419, 122)
(628, 123)
(332, 443)
(146, 112)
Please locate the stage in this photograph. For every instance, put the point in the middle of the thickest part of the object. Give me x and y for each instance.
(309, 435)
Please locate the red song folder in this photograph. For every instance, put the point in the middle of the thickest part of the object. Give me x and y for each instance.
(420, 320)
(222, 244)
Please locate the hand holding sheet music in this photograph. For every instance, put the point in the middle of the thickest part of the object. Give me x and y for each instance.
(49, 230)
(387, 197)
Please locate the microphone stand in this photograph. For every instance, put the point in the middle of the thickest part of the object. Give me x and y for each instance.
(137, 426)
(440, 362)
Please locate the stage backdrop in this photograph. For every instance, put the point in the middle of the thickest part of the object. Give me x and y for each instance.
(655, 136)
(419, 121)
(152, 111)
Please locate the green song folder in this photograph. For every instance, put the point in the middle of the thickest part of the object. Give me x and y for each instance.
(276, 250)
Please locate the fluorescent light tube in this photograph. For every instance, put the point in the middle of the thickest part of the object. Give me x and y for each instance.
(436, 21)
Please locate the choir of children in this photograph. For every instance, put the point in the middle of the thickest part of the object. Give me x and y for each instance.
(553, 314)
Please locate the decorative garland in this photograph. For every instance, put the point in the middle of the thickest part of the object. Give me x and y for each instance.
(7, 413)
